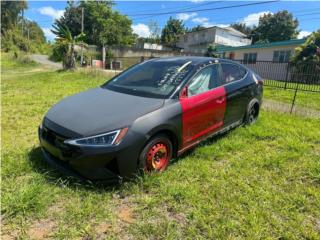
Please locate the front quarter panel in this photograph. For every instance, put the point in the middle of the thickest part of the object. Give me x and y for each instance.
(167, 118)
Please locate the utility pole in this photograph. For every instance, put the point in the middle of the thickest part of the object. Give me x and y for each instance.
(28, 38)
(82, 11)
(22, 20)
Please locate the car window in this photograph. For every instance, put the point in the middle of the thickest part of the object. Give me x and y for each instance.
(232, 72)
(157, 78)
(204, 80)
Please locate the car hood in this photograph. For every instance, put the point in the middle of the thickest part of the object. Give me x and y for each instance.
(100, 110)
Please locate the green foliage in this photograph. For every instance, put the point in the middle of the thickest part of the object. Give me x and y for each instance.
(66, 43)
(280, 26)
(196, 28)
(10, 13)
(102, 25)
(242, 27)
(308, 51)
(211, 51)
(19, 34)
(171, 31)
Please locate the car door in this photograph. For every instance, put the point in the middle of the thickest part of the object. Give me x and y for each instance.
(203, 103)
(237, 90)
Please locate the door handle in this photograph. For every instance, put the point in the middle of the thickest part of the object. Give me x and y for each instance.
(220, 100)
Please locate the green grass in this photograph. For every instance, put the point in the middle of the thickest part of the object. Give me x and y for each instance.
(303, 98)
(255, 182)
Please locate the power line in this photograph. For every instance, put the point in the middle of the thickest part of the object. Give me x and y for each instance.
(175, 8)
(206, 9)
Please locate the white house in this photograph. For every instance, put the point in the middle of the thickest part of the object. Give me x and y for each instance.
(198, 41)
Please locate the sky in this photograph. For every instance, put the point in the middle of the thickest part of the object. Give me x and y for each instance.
(307, 12)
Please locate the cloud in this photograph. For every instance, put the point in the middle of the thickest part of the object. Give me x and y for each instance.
(253, 18)
(203, 21)
(197, 1)
(186, 16)
(51, 12)
(200, 20)
(141, 29)
(50, 36)
(303, 34)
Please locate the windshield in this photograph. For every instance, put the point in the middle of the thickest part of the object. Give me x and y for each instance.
(156, 78)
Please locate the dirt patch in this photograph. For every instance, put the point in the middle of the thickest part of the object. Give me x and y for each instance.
(41, 229)
(125, 214)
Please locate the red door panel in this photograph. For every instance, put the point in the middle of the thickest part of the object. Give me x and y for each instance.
(202, 114)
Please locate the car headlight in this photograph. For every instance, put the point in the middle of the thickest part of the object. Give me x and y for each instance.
(105, 139)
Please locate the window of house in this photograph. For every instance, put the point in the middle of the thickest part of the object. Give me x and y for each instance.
(232, 72)
(185, 38)
(281, 56)
(250, 58)
(208, 78)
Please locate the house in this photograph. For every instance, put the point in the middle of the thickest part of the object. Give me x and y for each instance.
(199, 41)
(277, 52)
(269, 60)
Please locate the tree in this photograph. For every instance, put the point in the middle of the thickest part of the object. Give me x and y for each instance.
(171, 31)
(10, 13)
(308, 51)
(155, 31)
(67, 41)
(102, 25)
(211, 51)
(276, 27)
(242, 27)
(18, 33)
(196, 28)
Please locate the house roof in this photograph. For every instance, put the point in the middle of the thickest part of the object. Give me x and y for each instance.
(261, 45)
(230, 29)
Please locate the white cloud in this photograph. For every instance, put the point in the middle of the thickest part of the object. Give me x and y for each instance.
(303, 34)
(203, 21)
(186, 16)
(197, 1)
(50, 36)
(253, 18)
(51, 12)
(200, 20)
(141, 29)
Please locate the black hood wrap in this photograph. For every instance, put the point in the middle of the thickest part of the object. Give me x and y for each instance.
(100, 110)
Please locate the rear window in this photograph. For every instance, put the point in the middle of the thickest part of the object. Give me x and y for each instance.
(232, 72)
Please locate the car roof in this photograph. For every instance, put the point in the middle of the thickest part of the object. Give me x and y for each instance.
(195, 60)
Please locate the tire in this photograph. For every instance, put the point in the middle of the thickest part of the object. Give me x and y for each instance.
(252, 112)
(156, 155)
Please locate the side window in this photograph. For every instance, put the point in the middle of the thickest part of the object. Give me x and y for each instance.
(204, 80)
(232, 72)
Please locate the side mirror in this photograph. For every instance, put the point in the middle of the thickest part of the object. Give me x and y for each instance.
(184, 93)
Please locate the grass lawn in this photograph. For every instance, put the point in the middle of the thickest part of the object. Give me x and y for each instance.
(303, 99)
(256, 182)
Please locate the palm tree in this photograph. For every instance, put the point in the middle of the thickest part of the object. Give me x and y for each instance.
(68, 42)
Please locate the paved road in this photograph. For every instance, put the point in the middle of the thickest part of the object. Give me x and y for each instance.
(44, 59)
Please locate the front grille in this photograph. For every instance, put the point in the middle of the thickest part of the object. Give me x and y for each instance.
(57, 141)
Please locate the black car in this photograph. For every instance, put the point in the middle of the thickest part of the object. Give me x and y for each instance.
(147, 115)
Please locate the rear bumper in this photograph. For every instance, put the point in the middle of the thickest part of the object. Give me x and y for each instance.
(94, 163)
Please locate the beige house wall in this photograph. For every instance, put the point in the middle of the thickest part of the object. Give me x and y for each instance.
(263, 54)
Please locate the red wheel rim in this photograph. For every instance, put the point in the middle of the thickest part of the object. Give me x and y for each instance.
(157, 157)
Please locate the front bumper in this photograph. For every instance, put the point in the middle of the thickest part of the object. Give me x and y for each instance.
(90, 162)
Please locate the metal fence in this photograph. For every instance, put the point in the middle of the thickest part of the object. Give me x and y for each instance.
(287, 76)
(303, 77)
